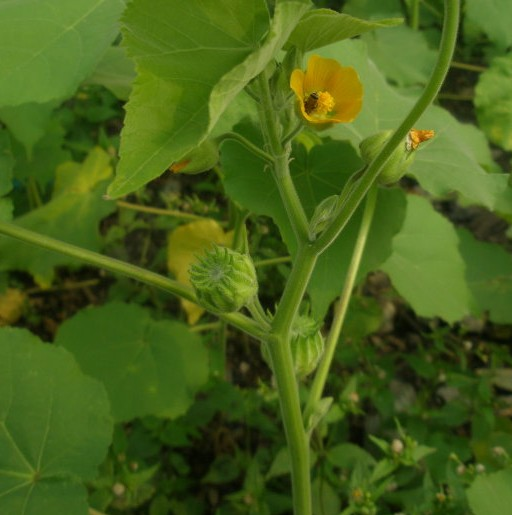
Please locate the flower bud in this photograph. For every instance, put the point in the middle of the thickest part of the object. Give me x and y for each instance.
(200, 159)
(307, 345)
(323, 214)
(224, 280)
(401, 158)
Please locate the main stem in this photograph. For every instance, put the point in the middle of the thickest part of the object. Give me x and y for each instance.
(279, 336)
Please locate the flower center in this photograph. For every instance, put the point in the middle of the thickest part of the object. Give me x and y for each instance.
(319, 103)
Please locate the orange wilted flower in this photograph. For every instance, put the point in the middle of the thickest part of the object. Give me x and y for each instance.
(416, 136)
(327, 92)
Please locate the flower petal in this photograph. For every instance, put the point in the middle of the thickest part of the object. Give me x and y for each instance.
(347, 90)
(319, 73)
(297, 83)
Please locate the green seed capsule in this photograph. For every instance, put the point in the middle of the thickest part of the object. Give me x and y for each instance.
(307, 345)
(224, 280)
(396, 166)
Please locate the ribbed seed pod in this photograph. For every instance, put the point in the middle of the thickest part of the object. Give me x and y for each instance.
(224, 280)
(307, 345)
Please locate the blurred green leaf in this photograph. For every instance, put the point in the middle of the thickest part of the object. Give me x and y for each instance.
(491, 494)
(402, 55)
(321, 27)
(373, 9)
(185, 83)
(493, 17)
(73, 215)
(426, 267)
(57, 44)
(489, 276)
(46, 154)
(55, 427)
(493, 101)
(148, 367)
(28, 122)
(115, 71)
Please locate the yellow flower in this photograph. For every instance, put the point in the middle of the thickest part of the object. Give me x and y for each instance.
(327, 92)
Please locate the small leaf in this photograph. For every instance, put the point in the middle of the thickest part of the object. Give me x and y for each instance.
(491, 494)
(185, 244)
(148, 367)
(321, 27)
(57, 45)
(55, 427)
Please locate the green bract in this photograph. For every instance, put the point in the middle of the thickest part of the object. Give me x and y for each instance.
(224, 280)
(307, 345)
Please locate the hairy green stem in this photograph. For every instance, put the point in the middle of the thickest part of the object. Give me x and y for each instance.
(341, 306)
(279, 338)
(114, 265)
(281, 155)
(448, 40)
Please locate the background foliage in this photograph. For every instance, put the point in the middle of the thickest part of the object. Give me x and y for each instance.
(144, 405)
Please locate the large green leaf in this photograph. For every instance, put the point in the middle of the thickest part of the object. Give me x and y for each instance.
(55, 428)
(317, 174)
(402, 55)
(493, 100)
(491, 494)
(148, 367)
(456, 160)
(489, 276)
(73, 215)
(193, 59)
(47, 47)
(426, 267)
(321, 27)
(494, 17)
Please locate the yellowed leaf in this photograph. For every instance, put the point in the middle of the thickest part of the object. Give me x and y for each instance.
(185, 244)
(11, 306)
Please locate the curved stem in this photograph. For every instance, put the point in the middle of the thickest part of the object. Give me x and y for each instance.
(448, 40)
(114, 265)
(247, 144)
(340, 310)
